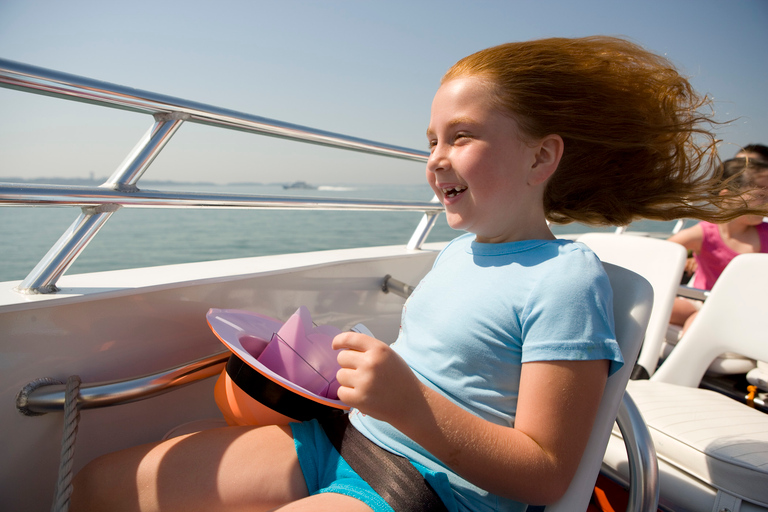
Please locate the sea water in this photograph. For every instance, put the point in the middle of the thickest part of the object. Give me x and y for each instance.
(137, 237)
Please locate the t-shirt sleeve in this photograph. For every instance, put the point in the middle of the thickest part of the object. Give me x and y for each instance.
(569, 314)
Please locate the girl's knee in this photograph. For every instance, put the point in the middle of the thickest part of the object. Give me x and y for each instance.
(99, 486)
(682, 309)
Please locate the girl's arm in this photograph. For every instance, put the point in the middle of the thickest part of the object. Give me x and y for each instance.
(533, 462)
(690, 238)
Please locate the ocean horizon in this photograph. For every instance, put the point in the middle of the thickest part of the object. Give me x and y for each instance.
(93, 181)
(138, 237)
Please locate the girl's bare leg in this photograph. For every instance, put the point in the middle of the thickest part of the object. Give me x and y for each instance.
(681, 310)
(327, 502)
(229, 469)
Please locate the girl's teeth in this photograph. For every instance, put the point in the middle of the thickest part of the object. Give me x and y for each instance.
(453, 191)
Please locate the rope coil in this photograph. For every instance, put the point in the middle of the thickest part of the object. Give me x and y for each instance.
(69, 435)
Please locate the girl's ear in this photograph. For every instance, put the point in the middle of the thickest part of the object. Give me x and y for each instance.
(548, 155)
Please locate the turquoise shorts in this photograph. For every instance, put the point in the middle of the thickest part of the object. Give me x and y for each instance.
(325, 471)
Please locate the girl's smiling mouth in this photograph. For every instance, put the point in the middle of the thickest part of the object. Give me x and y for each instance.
(451, 192)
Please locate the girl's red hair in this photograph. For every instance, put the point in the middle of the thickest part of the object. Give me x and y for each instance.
(638, 139)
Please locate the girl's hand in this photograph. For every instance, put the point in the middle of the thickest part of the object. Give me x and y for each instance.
(373, 377)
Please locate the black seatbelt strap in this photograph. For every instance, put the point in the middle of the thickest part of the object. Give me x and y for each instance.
(393, 477)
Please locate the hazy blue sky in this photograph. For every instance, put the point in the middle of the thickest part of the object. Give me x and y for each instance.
(357, 67)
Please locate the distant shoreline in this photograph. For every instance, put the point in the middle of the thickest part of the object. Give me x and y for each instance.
(95, 182)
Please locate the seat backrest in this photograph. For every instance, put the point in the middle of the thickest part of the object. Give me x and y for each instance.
(662, 263)
(731, 320)
(632, 302)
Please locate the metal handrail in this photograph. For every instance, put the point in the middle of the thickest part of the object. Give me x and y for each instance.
(62, 195)
(169, 114)
(50, 398)
(690, 292)
(17, 75)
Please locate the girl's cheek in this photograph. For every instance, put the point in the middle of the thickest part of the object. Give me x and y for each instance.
(431, 179)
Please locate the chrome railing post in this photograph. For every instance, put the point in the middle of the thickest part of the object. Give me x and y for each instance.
(678, 226)
(146, 150)
(641, 455)
(43, 278)
(421, 232)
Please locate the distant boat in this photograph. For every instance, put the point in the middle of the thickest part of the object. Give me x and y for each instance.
(300, 184)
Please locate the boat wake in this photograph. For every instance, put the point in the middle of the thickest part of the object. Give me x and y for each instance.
(337, 189)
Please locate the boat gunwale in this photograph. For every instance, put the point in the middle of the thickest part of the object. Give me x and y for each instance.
(84, 287)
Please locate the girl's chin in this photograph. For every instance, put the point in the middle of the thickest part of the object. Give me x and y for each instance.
(455, 223)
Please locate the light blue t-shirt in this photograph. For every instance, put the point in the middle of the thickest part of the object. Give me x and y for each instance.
(478, 315)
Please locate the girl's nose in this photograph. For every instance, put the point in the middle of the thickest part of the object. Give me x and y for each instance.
(438, 159)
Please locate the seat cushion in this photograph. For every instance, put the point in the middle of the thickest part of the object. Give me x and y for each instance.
(729, 363)
(707, 435)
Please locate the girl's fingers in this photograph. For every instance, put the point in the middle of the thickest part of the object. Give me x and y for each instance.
(351, 347)
(351, 341)
(345, 377)
(347, 358)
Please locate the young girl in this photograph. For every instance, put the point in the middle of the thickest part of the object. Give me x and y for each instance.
(493, 384)
(715, 245)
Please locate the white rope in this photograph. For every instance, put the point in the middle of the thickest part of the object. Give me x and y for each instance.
(22, 397)
(71, 420)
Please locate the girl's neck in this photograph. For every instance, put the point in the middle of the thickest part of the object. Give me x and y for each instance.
(740, 236)
(530, 231)
(736, 227)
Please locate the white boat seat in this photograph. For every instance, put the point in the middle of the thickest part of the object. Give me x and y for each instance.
(758, 376)
(704, 436)
(661, 262)
(710, 447)
(732, 320)
(729, 363)
(632, 303)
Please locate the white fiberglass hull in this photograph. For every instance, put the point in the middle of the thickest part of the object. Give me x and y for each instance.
(124, 324)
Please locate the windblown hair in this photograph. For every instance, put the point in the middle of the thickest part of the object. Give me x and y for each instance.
(638, 138)
(740, 174)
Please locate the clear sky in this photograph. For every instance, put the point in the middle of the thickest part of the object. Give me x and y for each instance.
(364, 68)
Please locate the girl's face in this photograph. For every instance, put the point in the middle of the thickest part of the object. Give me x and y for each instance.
(479, 166)
(757, 198)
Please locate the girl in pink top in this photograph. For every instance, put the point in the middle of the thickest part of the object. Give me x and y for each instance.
(716, 252)
(715, 245)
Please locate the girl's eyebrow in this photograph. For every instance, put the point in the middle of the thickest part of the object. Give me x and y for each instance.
(454, 122)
